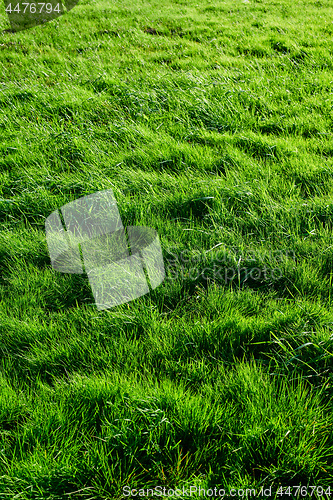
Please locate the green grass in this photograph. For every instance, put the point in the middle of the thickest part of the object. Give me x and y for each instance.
(212, 123)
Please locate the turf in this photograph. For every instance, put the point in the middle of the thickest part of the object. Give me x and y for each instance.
(211, 122)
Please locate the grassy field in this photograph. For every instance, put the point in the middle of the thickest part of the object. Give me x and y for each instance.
(211, 122)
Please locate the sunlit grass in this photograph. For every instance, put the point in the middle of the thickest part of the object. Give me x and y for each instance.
(212, 123)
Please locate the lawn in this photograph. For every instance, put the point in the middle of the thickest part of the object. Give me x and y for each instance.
(211, 122)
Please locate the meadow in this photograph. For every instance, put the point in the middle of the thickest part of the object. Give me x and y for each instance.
(211, 122)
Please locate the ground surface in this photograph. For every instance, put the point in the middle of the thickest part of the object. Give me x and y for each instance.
(212, 123)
